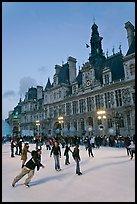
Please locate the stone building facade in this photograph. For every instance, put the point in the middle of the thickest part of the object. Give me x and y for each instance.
(100, 99)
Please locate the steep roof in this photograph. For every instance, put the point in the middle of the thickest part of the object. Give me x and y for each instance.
(48, 85)
(115, 63)
(63, 76)
(79, 78)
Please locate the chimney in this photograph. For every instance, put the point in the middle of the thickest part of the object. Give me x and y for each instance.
(57, 68)
(130, 32)
(72, 69)
(39, 92)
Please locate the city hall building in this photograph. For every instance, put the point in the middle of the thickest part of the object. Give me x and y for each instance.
(98, 100)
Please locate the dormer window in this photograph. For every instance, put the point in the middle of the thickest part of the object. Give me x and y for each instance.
(107, 76)
(132, 69)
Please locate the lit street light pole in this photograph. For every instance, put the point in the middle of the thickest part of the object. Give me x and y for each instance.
(90, 130)
(117, 118)
(101, 115)
(61, 121)
(38, 126)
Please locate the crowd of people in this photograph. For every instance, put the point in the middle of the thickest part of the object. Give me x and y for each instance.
(54, 144)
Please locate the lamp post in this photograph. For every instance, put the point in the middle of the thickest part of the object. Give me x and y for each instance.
(61, 121)
(117, 118)
(38, 126)
(90, 130)
(101, 116)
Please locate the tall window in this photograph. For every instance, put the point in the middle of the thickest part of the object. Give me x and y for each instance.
(82, 124)
(55, 112)
(75, 107)
(51, 112)
(90, 121)
(132, 69)
(128, 119)
(118, 97)
(68, 108)
(121, 121)
(75, 124)
(97, 101)
(59, 94)
(89, 104)
(60, 110)
(106, 78)
(107, 100)
(109, 122)
(81, 105)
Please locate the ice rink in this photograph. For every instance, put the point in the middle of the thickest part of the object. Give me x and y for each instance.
(108, 177)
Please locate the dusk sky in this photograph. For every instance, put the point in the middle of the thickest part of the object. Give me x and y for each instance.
(38, 35)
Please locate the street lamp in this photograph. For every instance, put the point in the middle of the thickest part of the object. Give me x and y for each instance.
(90, 129)
(117, 118)
(101, 116)
(38, 126)
(61, 121)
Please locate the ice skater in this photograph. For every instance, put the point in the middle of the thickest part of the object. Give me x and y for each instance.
(66, 153)
(29, 168)
(76, 157)
(57, 154)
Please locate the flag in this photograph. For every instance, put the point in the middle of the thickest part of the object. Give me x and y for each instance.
(87, 45)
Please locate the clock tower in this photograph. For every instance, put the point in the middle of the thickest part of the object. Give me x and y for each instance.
(97, 58)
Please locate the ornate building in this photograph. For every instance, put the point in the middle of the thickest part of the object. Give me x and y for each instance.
(100, 99)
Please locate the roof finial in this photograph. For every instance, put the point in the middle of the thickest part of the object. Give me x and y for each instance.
(93, 20)
(113, 50)
(78, 67)
(107, 53)
(120, 48)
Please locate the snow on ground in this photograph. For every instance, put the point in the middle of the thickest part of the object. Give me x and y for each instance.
(108, 177)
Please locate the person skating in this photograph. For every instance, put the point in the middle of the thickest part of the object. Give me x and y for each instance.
(57, 154)
(132, 149)
(89, 148)
(66, 154)
(24, 153)
(12, 144)
(29, 168)
(76, 157)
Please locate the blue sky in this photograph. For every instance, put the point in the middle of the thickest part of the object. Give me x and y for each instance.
(38, 35)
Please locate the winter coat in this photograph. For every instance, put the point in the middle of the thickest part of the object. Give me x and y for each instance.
(34, 162)
(56, 151)
(67, 149)
(75, 153)
(24, 153)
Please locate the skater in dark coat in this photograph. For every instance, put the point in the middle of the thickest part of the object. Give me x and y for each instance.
(132, 149)
(57, 154)
(12, 144)
(29, 168)
(89, 148)
(66, 154)
(76, 157)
